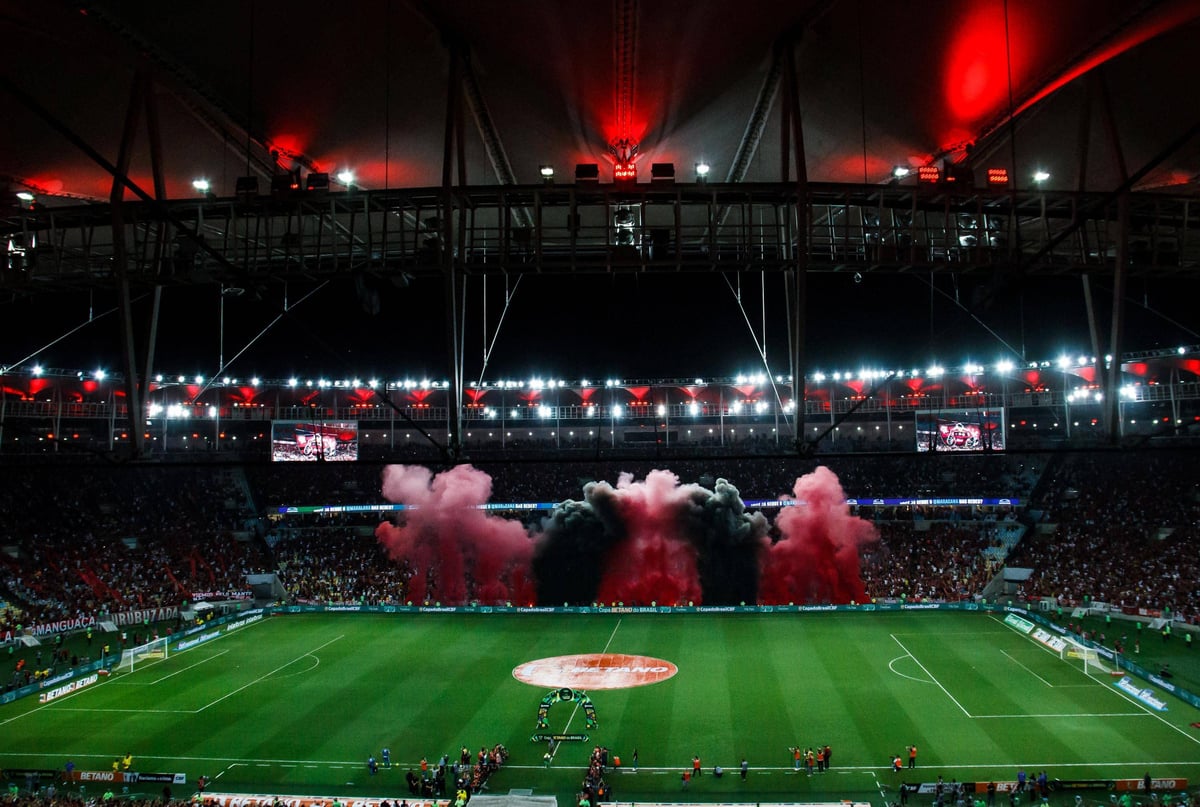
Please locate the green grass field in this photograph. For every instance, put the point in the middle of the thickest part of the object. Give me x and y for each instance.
(296, 704)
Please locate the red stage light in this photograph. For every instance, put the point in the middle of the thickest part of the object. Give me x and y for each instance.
(928, 173)
(625, 172)
(997, 176)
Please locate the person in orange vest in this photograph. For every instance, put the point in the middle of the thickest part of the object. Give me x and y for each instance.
(897, 765)
(796, 757)
(820, 759)
(912, 756)
(696, 766)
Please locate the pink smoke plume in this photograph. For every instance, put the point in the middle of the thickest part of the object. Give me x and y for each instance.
(654, 562)
(816, 559)
(465, 552)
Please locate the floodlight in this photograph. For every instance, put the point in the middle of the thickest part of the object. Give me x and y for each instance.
(1063, 362)
(547, 171)
(37, 369)
(25, 196)
(1041, 175)
(99, 374)
(901, 171)
(201, 185)
(254, 382)
(661, 410)
(199, 379)
(346, 177)
(1005, 366)
(702, 169)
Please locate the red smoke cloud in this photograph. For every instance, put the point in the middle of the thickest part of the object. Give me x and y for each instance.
(816, 559)
(654, 563)
(463, 552)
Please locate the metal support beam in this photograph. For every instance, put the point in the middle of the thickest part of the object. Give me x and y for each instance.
(799, 272)
(452, 295)
(133, 388)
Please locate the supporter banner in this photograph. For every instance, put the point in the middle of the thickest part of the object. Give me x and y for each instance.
(255, 800)
(1082, 784)
(50, 628)
(232, 594)
(1151, 613)
(559, 738)
(141, 615)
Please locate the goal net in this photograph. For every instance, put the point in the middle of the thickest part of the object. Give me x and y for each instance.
(1084, 657)
(142, 654)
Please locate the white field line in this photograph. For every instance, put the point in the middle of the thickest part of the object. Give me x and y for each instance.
(1136, 703)
(607, 645)
(267, 675)
(902, 675)
(1073, 714)
(1026, 669)
(931, 676)
(185, 669)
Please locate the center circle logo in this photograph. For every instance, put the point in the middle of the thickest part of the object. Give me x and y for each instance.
(595, 671)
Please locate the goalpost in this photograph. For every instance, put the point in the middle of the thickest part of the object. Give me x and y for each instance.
(134, 656)
(1083, 656)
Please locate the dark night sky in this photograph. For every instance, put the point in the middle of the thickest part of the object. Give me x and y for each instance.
(607, 326)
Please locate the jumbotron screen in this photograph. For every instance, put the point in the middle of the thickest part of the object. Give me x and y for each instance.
(314, 441)
(957, 430)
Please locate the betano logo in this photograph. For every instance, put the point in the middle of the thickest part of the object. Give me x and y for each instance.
(595, 671)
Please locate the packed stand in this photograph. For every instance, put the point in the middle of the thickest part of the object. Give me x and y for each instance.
(1125, 534)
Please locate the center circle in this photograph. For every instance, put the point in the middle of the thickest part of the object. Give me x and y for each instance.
(588, 671)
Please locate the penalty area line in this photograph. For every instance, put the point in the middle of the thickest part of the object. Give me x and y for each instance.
(931, 675)
(267, 675)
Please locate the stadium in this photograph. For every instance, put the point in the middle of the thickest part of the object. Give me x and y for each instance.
(561, 404)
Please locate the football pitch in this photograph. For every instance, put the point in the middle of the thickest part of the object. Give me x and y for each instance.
(297, 703)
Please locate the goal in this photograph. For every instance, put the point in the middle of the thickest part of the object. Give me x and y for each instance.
(137, 656)
(1087, 658)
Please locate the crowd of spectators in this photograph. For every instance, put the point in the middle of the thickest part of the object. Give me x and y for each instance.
(87, 540)
(1118, 529)
(930, 560)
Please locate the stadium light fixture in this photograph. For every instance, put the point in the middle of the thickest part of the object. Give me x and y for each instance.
(202, 185)
(1004, 366)
(547, 172)
(661, 410)
(693, 409)
(900, 171)
(819, 378)
(1041, 175)
(100, 375)
(544, 412)
(616, 410)
(935, 371)
(292, 382)
(25, 196)
(199, 379)
(1063, 362)
(254, 382)
(37, 369)
(346, 177)
(702, 170)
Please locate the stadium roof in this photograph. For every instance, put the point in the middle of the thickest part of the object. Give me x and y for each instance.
(243, 88)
